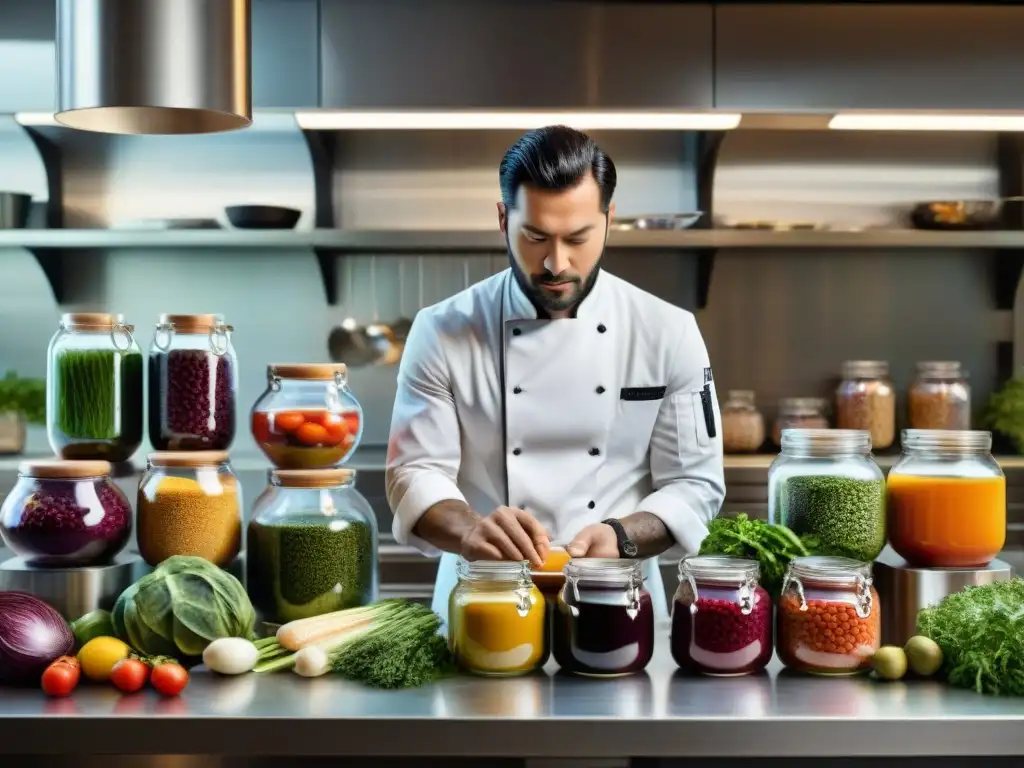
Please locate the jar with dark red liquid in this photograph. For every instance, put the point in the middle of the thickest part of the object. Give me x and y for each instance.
(721, 617)
(193, 382)
(65, 514)
(604, 620)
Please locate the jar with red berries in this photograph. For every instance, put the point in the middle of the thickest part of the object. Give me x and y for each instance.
(721, 617)
(193, 380)
(307, 418)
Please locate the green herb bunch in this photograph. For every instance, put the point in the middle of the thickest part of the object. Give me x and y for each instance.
(1005, 413)
(981, 633)
(773, 546)
(24, 396)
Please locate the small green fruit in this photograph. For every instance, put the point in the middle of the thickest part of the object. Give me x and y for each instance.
(889, 662)
(924, 655)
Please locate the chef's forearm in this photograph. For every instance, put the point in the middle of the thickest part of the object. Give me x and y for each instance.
(648, 532)
(445, 524)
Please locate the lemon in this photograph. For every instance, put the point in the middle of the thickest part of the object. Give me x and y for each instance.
(923, 655)
(99, 656)
(889, 662)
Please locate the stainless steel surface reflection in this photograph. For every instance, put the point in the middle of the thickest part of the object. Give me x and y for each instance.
(515, 697)
(748, 696)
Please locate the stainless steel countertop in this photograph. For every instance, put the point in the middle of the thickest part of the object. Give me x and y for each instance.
(658, 714)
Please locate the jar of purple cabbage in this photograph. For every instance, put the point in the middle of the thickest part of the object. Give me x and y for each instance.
(65, 514)
(193, 382)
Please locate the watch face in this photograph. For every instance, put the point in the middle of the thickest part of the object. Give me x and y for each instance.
(629, 549)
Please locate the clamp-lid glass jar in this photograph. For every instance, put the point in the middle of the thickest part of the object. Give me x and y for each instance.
(946, 500)
(721, 617)
(192, 384)
(189, 503)
(311, 546)
(799, 413)
(496, 619)
(94, 388)
(940, 397)
(308, 417)
(742, 423)
(65, 514)
(825, 483)
(865, 399)
(604, 620)
(829, 618)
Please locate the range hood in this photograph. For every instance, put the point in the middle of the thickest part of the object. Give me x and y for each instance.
(154, 66)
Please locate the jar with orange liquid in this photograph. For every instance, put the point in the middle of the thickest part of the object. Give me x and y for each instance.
(946, 500)
(497, 619)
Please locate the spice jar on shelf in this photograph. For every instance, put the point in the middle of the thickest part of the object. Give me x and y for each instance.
(826, 484)
(496, 619)
(192, 384)
(946, 500)
(307, 418)
(721, 617)
(799, 413)
(940, 397)
(311, 546)
(865, 399)
(742, 423)
(189, 504)
(604, 620)
(65, 514)
(829, 620)
(94, 388)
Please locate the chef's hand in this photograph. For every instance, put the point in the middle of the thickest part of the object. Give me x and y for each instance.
(597, 540)
(507, 534)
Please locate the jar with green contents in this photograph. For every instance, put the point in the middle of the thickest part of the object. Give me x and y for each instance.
(94, 388)
(312, 546)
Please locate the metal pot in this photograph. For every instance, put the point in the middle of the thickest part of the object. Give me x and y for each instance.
(14, 210)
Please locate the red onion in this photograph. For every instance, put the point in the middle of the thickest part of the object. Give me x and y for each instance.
(32, 635)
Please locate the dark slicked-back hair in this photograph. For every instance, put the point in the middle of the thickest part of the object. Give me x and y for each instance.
(555, 158)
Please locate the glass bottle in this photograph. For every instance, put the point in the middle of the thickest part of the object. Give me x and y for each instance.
(799, 413)
(940, 397)
(94, 388)
(946, 500)
(742, 423)
(192, 384)
(865, 399)
(496, 619)
(307, 418)
(311, 546)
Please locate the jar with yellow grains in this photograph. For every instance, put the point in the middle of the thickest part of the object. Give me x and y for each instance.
(496, 619)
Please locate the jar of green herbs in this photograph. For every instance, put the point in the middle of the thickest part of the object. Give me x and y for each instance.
(825, 484)
(311, 546)
(94, 388)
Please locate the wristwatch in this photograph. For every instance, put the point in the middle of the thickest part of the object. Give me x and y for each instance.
(627, 547)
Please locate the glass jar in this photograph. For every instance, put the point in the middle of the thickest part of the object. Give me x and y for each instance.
(742, 423)
(311, 546)
(825, 483)
(189, 503)
(940, 397)
(496, 619)
(866, 399)
(799, 413)
(829, 619)
(307, 418)
(721, 617)
(604, 620)
(192, 384)
(66, 514)
(946, 500)
(94, 388)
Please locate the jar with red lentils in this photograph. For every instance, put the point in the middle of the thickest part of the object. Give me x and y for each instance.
(829, 621)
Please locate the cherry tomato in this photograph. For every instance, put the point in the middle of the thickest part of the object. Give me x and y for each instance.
(352, 419)
(337, 430)
(317, 417)
(169, 679)
(261, 427)
(288, 421)
(129, 675)
(312, 434)
(61, 677)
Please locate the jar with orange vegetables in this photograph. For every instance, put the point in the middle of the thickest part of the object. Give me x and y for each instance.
(829, 620)
(497, 619)
(307, 418)
(946, 500)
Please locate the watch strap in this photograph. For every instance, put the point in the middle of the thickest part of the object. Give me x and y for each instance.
(627, 547)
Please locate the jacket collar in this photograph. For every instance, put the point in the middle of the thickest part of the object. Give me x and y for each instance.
(517, 305)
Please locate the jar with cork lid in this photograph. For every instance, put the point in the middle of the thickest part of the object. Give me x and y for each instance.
(940, 397)
(742, 423)
(189, 503)
(865, 399)
(799, 413)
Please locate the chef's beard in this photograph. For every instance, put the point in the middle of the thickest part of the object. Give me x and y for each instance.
(532, 285)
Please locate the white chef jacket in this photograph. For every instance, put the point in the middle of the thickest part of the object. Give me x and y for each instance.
(604, 416)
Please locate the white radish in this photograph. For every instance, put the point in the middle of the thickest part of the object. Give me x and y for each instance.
(231, 656)
(311, 661)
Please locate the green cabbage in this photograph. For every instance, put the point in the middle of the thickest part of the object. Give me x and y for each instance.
(181, 607)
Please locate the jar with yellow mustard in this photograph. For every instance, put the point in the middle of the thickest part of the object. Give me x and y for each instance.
(496, 619)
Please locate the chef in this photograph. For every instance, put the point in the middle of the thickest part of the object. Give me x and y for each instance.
(554, 403)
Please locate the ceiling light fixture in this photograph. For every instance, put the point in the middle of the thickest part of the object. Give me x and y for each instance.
(356, 120)
(881, 121)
